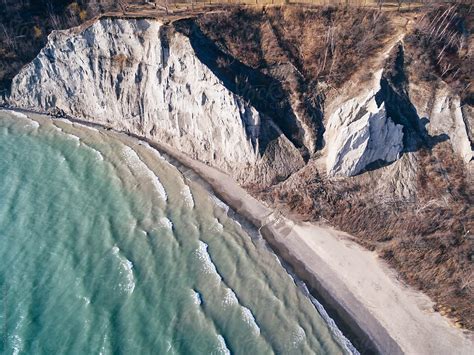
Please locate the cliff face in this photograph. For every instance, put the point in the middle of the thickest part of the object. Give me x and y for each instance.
(359, 134)
(142, 77)
(130, 75)
(147, 78)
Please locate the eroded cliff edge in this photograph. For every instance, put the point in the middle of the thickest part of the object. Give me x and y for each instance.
(344, 128)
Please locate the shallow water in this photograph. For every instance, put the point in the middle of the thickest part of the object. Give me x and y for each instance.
(106, 247)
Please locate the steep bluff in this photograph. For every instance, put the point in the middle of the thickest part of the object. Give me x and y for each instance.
(167, 82)
(142, 76)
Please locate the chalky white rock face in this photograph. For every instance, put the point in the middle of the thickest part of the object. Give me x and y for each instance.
(445, 115)
(123, 74)
(360, 133)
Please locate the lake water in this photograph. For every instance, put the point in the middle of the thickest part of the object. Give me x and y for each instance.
(106, 248)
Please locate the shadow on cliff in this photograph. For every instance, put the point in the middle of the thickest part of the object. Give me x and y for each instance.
(399, 107)
(261, 91)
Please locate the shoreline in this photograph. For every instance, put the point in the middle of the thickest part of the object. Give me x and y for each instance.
(381, 316)
(375, 311)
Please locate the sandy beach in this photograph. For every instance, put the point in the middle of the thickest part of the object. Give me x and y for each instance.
(358, 288)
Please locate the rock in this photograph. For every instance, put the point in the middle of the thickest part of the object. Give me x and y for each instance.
(132, 75)
(359, 134)
(445, 115)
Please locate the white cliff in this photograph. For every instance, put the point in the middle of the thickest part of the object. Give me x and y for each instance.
(445, 116)
(360, 133)
(128, 75)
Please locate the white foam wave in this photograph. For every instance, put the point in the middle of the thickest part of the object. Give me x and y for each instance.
(126, 266)
(197, 299)
(152, 150)
(229, 298)
(59, 129)
(165, 223)
(14, 339)
(222, 347)
(98, 155)
(103, 347)
(32, 123)
(29, 122)
(250, 319)
(17, 344)
(340, 338)
(187, 196)
(72, 137)
(134, 161)
(220, 203)
(218, 227)
(15, 113)
(206, 260)
(297, 336)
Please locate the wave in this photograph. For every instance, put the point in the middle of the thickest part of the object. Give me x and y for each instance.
(187, 196)
(340, 338)
(218, 227)
(220, 203)
(17, 344)
(250, 319)
(77, 139)
(197, 299)
(72, 137)
(134, 161)
(229, 298)
(31, 123)
(98, 155)
(127, 267)
(85, 126)
(222, 347)
(152, 150)
(165, 223)
(298, 337)
(14, 113)
(103, 349)
(205, 258)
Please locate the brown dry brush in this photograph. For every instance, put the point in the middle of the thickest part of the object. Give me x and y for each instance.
(313, 40)
(440, 46)
(428, 241)
(308, 50)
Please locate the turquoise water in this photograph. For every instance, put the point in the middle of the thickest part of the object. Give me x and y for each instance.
(106, 248)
